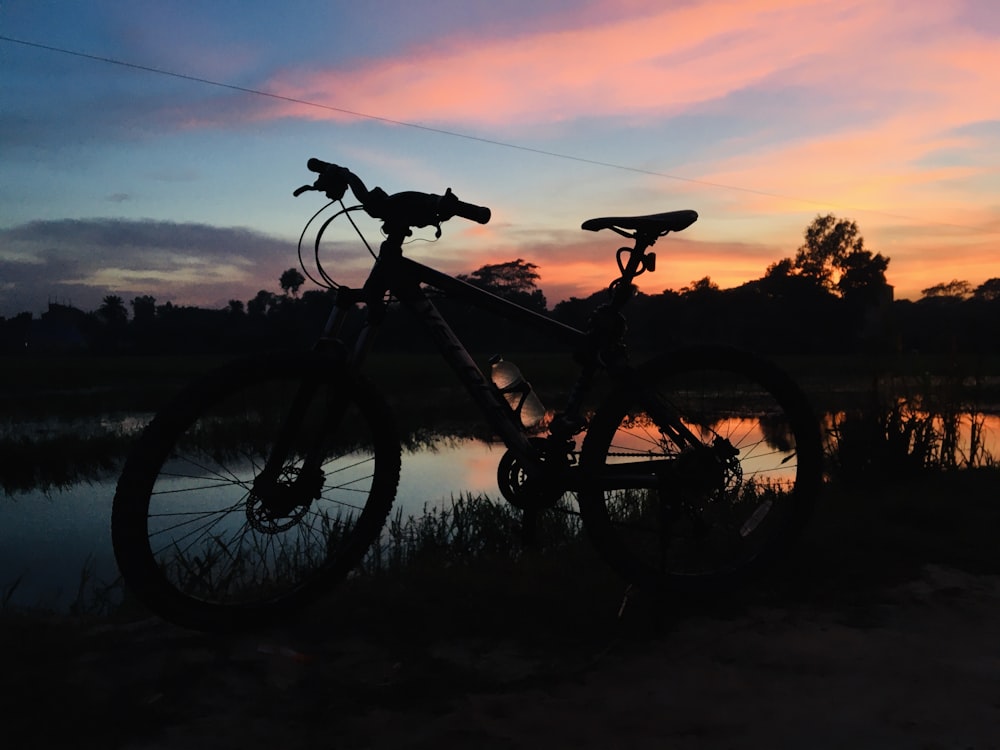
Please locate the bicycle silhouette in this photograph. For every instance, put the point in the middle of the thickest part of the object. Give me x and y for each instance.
(265, 483)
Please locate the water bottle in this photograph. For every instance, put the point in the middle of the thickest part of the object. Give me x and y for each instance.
(507, 377)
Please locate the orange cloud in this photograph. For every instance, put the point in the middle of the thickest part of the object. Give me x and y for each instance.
(577, 264)
(881, 93)
(645, 65)
(881, 84)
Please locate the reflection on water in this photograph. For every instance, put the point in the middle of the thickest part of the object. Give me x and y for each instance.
(121, 423)
(765, 444)
(57, 453)
(432, 476)
(903, 438)
(47, 539)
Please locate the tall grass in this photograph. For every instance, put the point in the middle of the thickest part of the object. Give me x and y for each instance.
(904, 427)
(908, 426)
(470, 530)
(467, 567)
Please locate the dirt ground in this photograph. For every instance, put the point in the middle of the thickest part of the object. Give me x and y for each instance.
(916, 666)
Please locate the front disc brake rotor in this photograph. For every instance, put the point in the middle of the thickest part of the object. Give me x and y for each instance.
(281, 505)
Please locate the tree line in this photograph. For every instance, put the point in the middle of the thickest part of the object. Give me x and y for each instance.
(831, 296)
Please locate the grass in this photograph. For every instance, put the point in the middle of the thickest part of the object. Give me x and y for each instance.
(457, 566)
(860, 540)
(59, 461)
(865, 538)
(457, 574)
(459, 578)
(463, 568)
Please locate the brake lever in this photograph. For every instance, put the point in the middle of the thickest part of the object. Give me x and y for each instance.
(326, 183)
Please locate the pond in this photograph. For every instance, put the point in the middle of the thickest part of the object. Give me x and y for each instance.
(49, 538)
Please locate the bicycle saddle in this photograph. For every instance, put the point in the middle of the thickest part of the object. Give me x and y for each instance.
(671, 221)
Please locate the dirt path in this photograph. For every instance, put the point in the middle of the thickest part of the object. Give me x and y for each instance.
(916, 667)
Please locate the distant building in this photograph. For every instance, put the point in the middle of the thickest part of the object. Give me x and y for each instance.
(61, 329)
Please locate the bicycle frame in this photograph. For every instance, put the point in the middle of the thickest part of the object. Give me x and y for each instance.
(264, 483)
(404, 279)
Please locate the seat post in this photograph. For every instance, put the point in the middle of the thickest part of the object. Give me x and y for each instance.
(623, 289)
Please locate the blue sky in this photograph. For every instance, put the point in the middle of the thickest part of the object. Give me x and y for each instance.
(759, 115)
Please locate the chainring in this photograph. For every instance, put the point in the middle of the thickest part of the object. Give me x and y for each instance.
(521, 489)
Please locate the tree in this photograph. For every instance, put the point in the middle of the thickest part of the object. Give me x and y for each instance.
(988, 291)
(862, 278)
(259, 305)
(833, 258)
(703, 286)
(954, 290)
(143, 309)
(781, 269)
(290, 281)
(113, 310)
(512, 276)
(235, 308)
(829, 241)
(781, 282)
(515, 280)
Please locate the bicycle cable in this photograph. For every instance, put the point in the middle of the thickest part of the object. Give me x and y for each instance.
(327, 281)
(319, 238)
(302, 264)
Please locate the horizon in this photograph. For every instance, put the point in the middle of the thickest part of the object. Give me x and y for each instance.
(152, 150)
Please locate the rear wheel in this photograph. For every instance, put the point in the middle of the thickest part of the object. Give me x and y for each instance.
(254, 491)
(700, 471)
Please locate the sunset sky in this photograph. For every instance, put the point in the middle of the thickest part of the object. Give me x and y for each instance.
(758, 114)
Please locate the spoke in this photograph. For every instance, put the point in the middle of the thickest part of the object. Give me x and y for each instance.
(316, 533)
(347, 488)
(226, 477)
(366, 460)
(195, 488)
(205, 531)
(214, 548)
(197, 515)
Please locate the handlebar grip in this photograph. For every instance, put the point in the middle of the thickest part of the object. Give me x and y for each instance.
(318, 165)
(472, 212)
(334, 181)
(452, 206)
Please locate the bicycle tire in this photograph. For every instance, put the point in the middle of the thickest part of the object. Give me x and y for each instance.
(712, 518)
(193, 534)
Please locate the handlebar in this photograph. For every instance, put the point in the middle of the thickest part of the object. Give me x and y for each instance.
(408, 209)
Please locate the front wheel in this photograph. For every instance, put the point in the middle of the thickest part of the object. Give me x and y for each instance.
(700, 469)
(254, 490)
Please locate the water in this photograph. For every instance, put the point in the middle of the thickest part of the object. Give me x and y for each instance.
(47, 539)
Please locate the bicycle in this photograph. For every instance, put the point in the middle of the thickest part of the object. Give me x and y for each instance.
(266, 482)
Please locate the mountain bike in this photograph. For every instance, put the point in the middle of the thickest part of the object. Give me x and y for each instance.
(263, 484)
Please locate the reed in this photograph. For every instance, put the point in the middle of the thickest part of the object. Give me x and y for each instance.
(909, 426)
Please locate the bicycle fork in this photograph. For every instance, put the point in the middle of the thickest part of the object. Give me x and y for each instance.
(281, 498)
(281, 487)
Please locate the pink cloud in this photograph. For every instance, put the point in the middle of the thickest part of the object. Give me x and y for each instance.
(640, 66)
(884, 90)
(904, 72)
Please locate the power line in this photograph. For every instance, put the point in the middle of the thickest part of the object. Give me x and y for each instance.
(466, 136)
